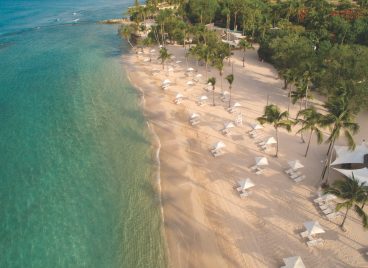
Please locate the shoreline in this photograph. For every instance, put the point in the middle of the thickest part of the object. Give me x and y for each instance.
(156, 146)
(205, 223)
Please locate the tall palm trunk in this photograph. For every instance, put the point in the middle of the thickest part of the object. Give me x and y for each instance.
(309, 140)
(235, 18)
(244, 57)
(289, 100)
(213, 96)
(306, 97)
(277, 142)
(230, 96)
(221, 80)
(343, 221)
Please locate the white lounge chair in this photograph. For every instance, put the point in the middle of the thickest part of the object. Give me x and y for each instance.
(288, 171)
(295, 175)
(254, 167)
(259, 171)
(299, 179)
(327, 211)
(195, 122)
(316, 242)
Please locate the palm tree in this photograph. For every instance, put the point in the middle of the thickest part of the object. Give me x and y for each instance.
(230, 80)
(244, 45)
(212, 80)
(311, 121)
(273, 116)
(340, 118)
(147, 42)
(126, 32)
(219, 65)
(353, 192)
(164, 56)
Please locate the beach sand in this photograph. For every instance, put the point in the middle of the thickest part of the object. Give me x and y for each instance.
(206, 223)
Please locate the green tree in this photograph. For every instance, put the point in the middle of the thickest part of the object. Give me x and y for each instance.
(273, 116)
(126, 32)
(244, 45)
(212, 80)
(353, 193)
(230, 80)
(164, 56)
(311, 120)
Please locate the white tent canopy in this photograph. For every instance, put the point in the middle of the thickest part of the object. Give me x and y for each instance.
(359, 174)
(261, 161)
(293, 262)
(179, 96)
(270, 140)
(246, 184)
(295, 164)
(229, 125)
(194, 115)
(346, 156)
(256, 126)
(219, 145)
(313, 227)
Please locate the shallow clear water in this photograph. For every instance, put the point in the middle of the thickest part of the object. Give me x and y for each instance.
(77, 187)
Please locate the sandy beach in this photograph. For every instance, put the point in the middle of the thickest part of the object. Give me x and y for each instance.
(206, 223)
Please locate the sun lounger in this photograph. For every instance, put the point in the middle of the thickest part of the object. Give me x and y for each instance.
(288, 171)
(318, 200)
(295, 175)
(216, 153)
(194, 122)
(254, 167)
(304, 234)
(327, 211)
(226, 131)
(333, 215)
(316, 242)
(178, 101)
(299, 179)
(259, 171)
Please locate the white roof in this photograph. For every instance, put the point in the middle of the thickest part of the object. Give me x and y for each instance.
(359, 174)
(313, 227)
(295, 164)
(346, 156)
(271, 140)
(246, 183)
(229, 125)
(203, 97)
(194, 115)
(219, 145)
(256, 126)
(293, 262)
(179, 95)
(261, 161)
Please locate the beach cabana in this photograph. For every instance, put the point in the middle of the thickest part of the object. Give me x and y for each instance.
(245, 184)
(261, 161)
(312, 228)
(295, 164)
(293, 262)
(359, 174)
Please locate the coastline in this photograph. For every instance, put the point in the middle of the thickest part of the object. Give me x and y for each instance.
(205, 222)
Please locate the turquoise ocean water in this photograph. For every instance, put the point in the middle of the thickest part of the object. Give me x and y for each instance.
(77, 184)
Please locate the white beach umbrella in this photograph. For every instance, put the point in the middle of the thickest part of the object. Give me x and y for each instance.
(179, 96)
(295, 164)
(198, 75)
(178, 61)
(246, 184)
(225, 93)
(293, 262)
(171, 69)
(166, 81)
(202, 98)
(229, 125)
(146, 59)
(270, 140)
(256, 126)
(313, 227)
(219, 145)
(261, 161)
(190, 83)
(194, 115)
(237, 104)
(190, 69)
(209, 84)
